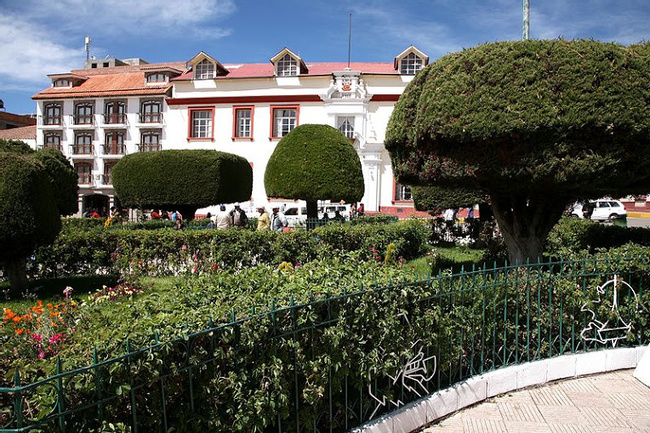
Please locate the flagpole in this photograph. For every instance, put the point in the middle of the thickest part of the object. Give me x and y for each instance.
(526, 19)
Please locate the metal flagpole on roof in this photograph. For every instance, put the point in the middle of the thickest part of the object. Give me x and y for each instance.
(526, 19)
(349, 37)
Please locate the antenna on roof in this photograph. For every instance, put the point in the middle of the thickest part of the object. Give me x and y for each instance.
(87, 47)
(349, 37)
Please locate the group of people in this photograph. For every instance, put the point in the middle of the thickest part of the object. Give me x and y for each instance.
(276, 221)
(223, 220)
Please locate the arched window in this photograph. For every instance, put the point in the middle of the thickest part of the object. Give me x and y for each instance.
(83, 144)
(115, 112)
(150, 141)
(114, 144)
(84, 172)
(151, 112)
(52, 114)
(83, 113)
(53, 140)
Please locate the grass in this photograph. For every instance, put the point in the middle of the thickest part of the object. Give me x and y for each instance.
(442, 258)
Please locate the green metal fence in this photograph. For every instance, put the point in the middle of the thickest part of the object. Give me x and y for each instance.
(337, 362)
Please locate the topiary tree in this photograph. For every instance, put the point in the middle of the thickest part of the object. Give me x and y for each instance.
(314, 162)
(28, 212)
(534, 124)
(182, 180)
(63, 178)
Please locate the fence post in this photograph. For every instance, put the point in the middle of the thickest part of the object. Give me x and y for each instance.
(60, 404)
(18, 400)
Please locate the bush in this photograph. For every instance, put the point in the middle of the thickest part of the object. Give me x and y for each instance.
(573, 236)
(134, 249)
(182, 179)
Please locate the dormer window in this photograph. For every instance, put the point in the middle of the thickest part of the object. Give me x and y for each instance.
(157, 77)
(410, 61)
(204, 70)
(410, 64)
(287, 66)
(62, 83)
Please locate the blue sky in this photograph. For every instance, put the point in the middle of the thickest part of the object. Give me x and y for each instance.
(40, 37)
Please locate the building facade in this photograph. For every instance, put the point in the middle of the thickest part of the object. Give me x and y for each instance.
(112, 107)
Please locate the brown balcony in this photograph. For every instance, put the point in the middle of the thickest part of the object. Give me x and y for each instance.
(149, 147)
(115, 118)
(150, 117)
(115, 149)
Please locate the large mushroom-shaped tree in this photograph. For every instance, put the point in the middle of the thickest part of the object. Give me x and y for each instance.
(314, 162)
(534, 124)
(182, 180)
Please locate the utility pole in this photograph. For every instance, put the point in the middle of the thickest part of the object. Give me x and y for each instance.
(526, 20)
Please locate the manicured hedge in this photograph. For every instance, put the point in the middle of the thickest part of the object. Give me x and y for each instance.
(577, 236)
(182, 179)
(170, 252)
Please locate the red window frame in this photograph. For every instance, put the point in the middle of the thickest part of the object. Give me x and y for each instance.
(395, 200)
(190, 122)
(235, 128)
(282, 107)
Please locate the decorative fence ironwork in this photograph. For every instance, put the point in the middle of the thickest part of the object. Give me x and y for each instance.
(337, 362)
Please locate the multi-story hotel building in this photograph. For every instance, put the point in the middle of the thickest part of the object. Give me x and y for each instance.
(115, 107)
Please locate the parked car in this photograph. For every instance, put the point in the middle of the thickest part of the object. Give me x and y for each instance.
(603, 209)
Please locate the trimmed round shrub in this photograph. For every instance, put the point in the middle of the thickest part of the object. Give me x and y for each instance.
(183, 180)
(314, 162)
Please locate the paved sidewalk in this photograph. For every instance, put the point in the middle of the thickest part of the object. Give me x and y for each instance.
(605, 403)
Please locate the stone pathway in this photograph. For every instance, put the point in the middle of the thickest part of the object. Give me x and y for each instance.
(605, 403)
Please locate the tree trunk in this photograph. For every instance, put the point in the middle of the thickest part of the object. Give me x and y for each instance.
(525, 222)
(16, 272)
(312, 214)
(187, 212)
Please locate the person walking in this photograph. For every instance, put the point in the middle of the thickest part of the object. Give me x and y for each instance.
(239, 217)
(263, 220)
(278, 220)
(223, 220)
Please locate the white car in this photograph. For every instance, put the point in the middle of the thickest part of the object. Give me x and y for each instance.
(604, 209)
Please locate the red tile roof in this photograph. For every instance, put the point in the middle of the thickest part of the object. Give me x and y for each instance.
(22, 133)
(17, 119)
(114, 81)
(129, 80)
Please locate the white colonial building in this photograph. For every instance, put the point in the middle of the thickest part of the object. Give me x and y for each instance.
(115, 107)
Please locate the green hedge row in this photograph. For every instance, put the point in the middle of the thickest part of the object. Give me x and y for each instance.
(80, 250)
(573, 236)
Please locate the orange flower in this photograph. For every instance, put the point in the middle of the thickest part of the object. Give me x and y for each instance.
(50, 306)
(19, 331)
(9, 315)
(16, 319)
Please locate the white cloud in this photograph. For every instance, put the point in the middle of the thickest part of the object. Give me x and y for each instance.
(128, 17)
(39, 37)
(29, 53)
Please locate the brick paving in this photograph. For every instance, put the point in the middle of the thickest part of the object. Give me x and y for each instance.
(613, 402)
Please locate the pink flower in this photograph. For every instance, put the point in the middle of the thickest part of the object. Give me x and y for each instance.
(184, 248)
(41, 355)
(37, 337)
(67, 292)
(55, 338)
